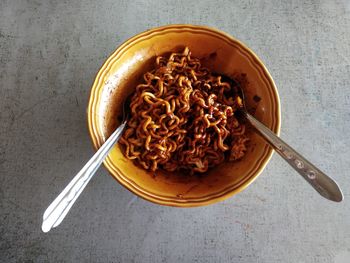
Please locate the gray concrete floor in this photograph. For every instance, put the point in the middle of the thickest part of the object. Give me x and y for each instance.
(49, 54)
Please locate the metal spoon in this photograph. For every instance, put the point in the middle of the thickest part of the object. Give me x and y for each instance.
(59, 208)
(322, 183)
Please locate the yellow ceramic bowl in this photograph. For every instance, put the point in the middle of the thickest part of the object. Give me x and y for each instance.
(223, 54)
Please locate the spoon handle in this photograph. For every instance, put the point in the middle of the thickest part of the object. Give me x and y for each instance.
(59, 208)
(322, 183)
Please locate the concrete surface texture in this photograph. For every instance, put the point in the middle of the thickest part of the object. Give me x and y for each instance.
(50, 52)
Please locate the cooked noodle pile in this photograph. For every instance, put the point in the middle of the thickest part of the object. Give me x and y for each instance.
(182, 118)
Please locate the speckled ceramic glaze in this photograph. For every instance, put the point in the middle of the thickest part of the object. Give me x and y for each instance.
(222, 54)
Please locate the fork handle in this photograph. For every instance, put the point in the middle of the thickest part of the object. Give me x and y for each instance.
(322, 183)
(59, 208)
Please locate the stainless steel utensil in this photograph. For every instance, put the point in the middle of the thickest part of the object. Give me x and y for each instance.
(59, 208)
(322, 183)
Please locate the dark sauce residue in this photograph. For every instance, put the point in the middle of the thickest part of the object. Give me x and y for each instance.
(213, 55)
(256, 98)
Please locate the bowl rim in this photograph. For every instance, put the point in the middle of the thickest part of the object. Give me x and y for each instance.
(213, 198)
